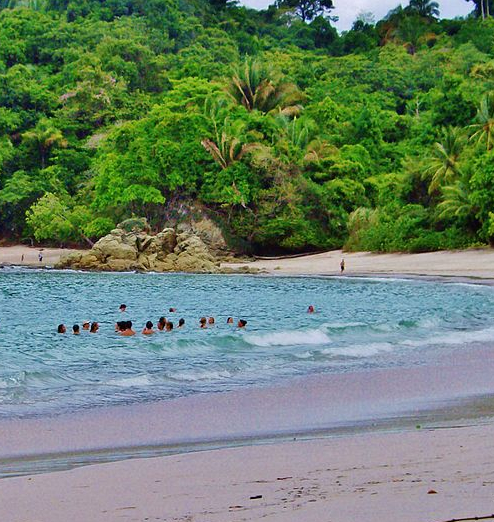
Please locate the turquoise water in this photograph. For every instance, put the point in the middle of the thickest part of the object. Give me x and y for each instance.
(359, 325)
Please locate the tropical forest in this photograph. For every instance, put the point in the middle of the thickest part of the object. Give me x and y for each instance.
(293, 137)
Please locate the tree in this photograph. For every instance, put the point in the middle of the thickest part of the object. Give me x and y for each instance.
(255, 86)
(306, 10)
(44, 137)
(444, 163)
(484, 129)
(483, 8)
(424, 8)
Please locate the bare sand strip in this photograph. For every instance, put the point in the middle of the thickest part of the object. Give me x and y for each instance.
(20, 255)
(478, 263)
(376, 478)
(465, 263)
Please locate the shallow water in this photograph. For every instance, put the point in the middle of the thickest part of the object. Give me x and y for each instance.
(359, 325)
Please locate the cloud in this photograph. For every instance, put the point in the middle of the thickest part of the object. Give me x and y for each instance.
(348, 10)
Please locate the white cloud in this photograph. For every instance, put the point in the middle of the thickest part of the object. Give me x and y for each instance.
(348, 10)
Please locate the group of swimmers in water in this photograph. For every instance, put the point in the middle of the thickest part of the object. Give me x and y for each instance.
(125, 329)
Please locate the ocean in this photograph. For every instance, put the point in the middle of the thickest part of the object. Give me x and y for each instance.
(359, 324)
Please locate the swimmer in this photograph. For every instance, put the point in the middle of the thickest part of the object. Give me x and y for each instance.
(202, 322)
(229, 320)
(342, 266)
(94, 327)
(211, 320)
(76, 330)
(127, 329)
(122, 307)
(161, 323)
(85, 325)
(242, 323)
(169, 326)
(61, 328)
(310, 310)
(120, 326)
(171, 310)
(181, 322)
(148, 329)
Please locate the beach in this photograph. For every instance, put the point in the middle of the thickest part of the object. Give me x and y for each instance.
(410, 443)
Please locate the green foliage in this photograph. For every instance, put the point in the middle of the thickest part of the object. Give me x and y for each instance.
(295, 137)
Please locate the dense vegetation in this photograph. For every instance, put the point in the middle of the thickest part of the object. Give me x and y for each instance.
(292, 136)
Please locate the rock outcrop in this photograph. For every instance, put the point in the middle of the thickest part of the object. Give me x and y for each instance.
(131, 247)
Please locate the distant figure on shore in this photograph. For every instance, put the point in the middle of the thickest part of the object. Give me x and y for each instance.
(310, 310)
(161, 323)
(229, 320)
(181, 322)
(171, 310)
(202, 322)
(148, 329)
(76, 330)
(211, 320)
(122, 307)
(169, 326)
(22, 258)
(94, 327)
(342, 266)
(242, 323)
(40, 257)
(85, 325)
(127, 329)
(61, 328)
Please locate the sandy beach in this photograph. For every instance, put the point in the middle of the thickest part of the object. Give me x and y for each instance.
(475, 263)
(20, 255)
(411, 444)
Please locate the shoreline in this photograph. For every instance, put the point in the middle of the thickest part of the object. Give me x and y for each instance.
(476, 264)
(241, 444)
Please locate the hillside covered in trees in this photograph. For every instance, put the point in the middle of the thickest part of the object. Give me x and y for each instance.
(291, 136)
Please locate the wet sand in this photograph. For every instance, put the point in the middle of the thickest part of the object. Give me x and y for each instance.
(309, 447)
(344, 470)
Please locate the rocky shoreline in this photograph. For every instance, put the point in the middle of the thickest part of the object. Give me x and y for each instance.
(197, 248)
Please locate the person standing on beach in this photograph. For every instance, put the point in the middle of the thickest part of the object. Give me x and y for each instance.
(342, 266)
(40, 257)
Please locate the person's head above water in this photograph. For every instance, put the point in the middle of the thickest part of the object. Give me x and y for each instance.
(172, 310)
(211, 320)
(241, 323)
(161, 323)
(149, 325)
(310, 310)
(181, 322)
(229, 320)
(122, 307)
(61, 328)
(76, 329)
(94, 327)
(169, 326)
(86, 325)
(202, 322)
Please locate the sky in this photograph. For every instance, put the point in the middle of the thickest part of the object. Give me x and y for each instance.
(348, 10)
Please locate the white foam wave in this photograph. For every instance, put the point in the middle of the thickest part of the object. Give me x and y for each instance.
(137, 380)
(303, 355)
(454, 338)
(200, 375)
(359, 350)
(288, 338)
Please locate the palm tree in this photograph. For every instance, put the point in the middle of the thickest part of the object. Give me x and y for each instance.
(444, 161)
(255, 86)
(456, 202)
(45, 137)
(410, 31)
(424, 8)
(228, 146)
(484, 129)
